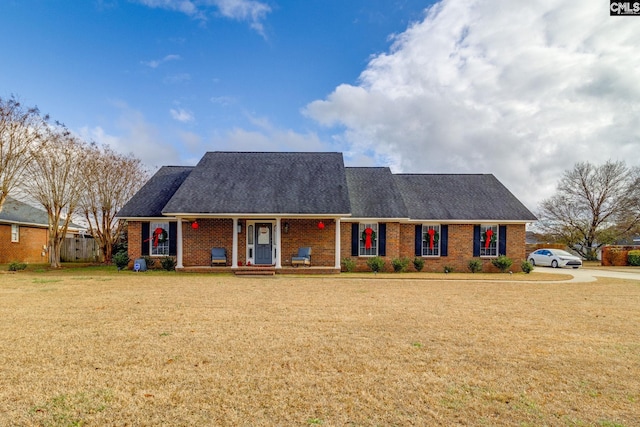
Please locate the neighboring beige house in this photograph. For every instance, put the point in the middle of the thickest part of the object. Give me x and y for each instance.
(262, 207)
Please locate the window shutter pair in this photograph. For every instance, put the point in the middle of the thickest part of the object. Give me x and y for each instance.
(502, 240)
(173, 238)
(444, 240)
(355, 239)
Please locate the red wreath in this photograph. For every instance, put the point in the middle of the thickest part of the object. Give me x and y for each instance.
(369, 234)
(488, 238)
(431, 233)
(159, 236)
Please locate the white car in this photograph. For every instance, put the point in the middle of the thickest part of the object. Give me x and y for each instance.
(554, 258)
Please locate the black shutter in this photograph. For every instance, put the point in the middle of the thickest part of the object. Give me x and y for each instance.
(145, 239)
(382, 239)
(355, 239)
(476, 240)
(502, 240)
(418, 240)
(173, 238)
(444, 240)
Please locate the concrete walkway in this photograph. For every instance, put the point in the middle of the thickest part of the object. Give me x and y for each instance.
(589, 274)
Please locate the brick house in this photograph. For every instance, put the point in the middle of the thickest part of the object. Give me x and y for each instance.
(23, 233)
(262, 207)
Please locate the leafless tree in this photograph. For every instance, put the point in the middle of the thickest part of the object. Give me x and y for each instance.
(110, 179)
(55, 183)
(593, 206)
(21, 135)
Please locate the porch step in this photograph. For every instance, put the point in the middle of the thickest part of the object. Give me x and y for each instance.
(255, 271)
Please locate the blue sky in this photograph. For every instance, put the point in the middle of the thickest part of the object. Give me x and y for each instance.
(522, 91)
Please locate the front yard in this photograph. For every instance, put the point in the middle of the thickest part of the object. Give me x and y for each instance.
(96, 348)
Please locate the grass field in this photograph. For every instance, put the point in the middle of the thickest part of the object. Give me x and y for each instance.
(97, 348)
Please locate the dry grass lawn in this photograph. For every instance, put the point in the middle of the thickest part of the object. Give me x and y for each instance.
(158, 348)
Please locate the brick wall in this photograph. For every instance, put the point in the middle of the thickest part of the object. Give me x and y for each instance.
(28, 249)
(305, 232)
(401, 243)
(211, 233)
(134, 243)
(400, 240)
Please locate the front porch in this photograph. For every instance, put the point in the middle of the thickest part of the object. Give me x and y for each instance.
(260, 270)
(254, 243)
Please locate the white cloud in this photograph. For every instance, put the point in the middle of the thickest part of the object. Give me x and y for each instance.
(265, 137)
(182, 115)
(252, 11)
(522, 91)
(223, 100)
(187, 7)
(177, 78)
(137, 136)
(157, 62)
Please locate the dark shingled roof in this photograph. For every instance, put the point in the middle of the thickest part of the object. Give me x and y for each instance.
(15, 211)
(460, 197)
(154, 195)
(264, 183)
(374, 194)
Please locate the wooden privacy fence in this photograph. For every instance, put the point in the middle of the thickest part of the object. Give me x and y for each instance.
(80, 249)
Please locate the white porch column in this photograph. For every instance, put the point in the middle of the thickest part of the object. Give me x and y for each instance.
(179, 245)
(278, 243)
(337, 243)
(234, 250)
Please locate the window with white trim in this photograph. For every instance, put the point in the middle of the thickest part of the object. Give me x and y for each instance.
(368, 245)
(431, 240)
(488, 240)
(159, 239)
(15, 233)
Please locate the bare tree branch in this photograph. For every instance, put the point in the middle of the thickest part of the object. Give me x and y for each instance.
(55, 182)
(593, 206)
(110, 180)
(21, 135)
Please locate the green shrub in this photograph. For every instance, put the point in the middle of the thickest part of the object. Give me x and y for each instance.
(348, 264)
(448, 269)
(475, 265)
(526, 266)
(418, 263)
(400, 264)
(633, 257)
(376, 264)
(121, 260)
(149, 261)
(503, 263)
(17, 266)
(168, 263)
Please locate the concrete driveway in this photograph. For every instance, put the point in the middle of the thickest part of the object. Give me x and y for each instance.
(586, 274)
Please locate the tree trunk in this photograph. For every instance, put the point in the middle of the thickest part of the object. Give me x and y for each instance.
(107, 250)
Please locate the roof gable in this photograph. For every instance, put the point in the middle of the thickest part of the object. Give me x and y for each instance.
(154, 195)
(374, 194)
(264, 183)
(460, 197)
